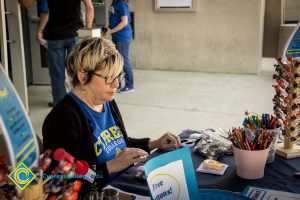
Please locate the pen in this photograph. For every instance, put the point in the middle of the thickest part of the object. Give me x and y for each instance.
(297, 174)
(247, 144)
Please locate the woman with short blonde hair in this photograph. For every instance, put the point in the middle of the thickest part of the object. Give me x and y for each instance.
(87, 122)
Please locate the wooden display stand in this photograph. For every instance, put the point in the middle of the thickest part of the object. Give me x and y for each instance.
(288, 105)
(34, 192)
(289, 151)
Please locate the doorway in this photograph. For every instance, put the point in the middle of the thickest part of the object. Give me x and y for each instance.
(40, 74)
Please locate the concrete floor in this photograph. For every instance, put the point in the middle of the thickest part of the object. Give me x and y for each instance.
(174, 101)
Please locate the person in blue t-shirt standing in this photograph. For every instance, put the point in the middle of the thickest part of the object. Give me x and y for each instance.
(121, 31)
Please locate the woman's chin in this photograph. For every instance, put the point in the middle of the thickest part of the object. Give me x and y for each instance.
(110, 96)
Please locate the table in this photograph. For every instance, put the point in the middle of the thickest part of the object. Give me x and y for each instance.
(278, 176)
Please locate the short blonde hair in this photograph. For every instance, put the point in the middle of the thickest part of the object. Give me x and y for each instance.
(94, 54)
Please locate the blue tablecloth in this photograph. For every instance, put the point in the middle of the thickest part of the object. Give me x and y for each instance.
(278, 176)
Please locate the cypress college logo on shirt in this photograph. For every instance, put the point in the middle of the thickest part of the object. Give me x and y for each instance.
(107, 137)
(109, 142)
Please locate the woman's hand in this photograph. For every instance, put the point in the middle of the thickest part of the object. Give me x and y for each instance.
(126, 158)
(39, 37)
(167, 141)
(108, 31)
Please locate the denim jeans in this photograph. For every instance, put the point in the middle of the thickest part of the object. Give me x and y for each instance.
(58, 50)
(123, 48)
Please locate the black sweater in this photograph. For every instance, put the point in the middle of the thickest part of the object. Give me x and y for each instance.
(67, 127)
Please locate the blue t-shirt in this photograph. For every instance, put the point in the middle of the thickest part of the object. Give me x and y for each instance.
(107, 137)
(116, 11)
(44, 6)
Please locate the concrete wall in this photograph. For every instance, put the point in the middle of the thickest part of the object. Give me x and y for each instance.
(284, 35)
(221, 36)
(292, 13)
(275, 33)
(271, 28)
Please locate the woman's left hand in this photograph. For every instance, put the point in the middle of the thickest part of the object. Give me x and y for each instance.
(167, 141)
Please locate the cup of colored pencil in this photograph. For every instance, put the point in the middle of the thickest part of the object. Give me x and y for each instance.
(261, 140)
(264, 126)
(250, 155)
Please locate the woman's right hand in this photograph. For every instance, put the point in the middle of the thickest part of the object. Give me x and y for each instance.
(108, 31)
(126, 158)
(39, 36)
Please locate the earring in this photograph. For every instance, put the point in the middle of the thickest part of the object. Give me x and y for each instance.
(82, 90)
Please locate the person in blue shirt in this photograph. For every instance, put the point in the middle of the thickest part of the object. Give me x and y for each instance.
(44, 12)
(87, 122)
(121, 31)
(59, 23)
(26, 3)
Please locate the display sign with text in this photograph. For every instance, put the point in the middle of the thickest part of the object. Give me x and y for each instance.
(172, 176)
(15, 126)
(175, 5)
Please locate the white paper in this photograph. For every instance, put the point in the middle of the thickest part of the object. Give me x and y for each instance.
(168, 182)
(211, 171)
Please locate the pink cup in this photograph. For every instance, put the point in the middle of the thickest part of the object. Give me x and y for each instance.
(250, 164)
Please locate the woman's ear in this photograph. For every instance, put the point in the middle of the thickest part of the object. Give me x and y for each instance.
(81, 75)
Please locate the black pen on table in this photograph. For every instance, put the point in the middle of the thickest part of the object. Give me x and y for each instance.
(297, 174)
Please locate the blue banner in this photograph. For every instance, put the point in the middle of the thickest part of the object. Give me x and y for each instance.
(15, 126)
(292, 47)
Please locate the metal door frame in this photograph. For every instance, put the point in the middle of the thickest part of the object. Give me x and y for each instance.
(10, 9)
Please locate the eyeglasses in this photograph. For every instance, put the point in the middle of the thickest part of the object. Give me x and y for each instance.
(111, 80)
